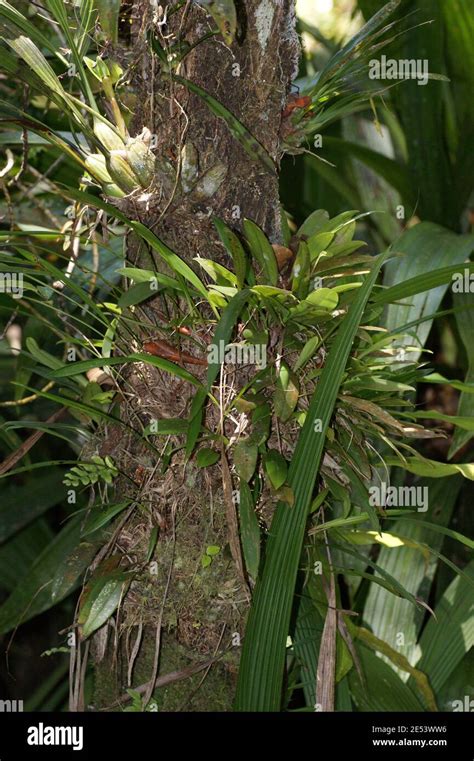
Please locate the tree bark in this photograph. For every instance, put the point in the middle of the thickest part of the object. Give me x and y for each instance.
(178, 615)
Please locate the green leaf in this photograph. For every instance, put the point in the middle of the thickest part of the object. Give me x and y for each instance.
(234, 248)
(276, 468)
(30, 53)
(421, 466)
(353, 520)
(82, 296)
(449, 635)
(388, 615)
(269, 291)
(308, 350)
(166, 426)
(394, 172)
(58, 10)
(245, 454)
(221, 338)
(108, 12)
(461, 682)
(206, 457)
(428, 248)
(219, 274)
(286, 393)
(249, 530)
(420, 284)
(17, 509)
(18, 554)
(468, 388)
(261, 423)
(301, 271)
(43, 357)
(223, 332)
(100, 516)
(11, 14)
(446, 531)
(101, 601)
(75, 368)
(307, 641)
(71, 571)
(152, 541)
(262, 251)
(420, 680)
(465, 423)
(26, 49)
(458, 18)
(33, 594)
(465, 325)
(260, 681)
(137, 293)
(323, 298)
(356, 43)
(330, 178)
(312, 224)
(172, 260)
(317, 244)
(195, 421)
(254, 149)
(148, 276)
(422, 115)
(360, 496)
(381, 577)
(383, 689)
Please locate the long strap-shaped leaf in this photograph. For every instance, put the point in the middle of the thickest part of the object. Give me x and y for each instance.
(222, 336)
(263, 655)
(58, 9)
(175, 262)
(421, 283)
(238, 130)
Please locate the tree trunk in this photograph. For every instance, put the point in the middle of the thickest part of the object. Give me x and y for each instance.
(178, 615)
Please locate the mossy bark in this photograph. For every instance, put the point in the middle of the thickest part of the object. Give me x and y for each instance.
(199, 606)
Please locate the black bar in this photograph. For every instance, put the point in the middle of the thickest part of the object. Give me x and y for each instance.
(128, 735)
